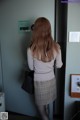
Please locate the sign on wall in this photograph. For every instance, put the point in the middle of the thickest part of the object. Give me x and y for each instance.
(24, 26)
(74, 36)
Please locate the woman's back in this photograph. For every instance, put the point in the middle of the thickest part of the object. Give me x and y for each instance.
(44, 70)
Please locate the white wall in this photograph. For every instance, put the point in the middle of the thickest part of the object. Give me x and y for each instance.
(72, 58)
(11, 12)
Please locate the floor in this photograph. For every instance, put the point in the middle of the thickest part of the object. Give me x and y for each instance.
(19, 117)
(14, 116)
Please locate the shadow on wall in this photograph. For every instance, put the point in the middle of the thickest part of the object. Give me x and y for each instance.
(25, 43)
(1, 88)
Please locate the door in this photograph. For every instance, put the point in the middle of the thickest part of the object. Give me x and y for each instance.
(14, 45)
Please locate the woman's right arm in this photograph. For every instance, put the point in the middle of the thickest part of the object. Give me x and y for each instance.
(59, 59)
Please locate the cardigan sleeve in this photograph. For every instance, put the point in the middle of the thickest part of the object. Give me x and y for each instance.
(30, 59)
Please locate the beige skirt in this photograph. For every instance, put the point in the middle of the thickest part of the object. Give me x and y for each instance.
(45, 91)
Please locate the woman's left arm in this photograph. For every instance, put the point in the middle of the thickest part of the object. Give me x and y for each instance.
(30, 59)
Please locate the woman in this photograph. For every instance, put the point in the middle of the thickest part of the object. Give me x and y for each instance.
(42, 54)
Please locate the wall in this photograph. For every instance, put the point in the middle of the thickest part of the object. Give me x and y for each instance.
(0, 64)
(11, 41)
(72, 58)
(0, 74)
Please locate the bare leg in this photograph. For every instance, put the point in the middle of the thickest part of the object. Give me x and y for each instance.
(42, 112)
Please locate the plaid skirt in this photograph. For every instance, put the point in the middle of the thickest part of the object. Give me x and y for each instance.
(45, 91)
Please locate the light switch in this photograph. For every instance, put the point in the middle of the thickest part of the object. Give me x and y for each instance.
(74, 36)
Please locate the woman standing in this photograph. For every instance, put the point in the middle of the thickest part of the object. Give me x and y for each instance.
(42, 54)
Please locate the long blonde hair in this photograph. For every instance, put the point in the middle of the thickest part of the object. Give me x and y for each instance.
(43, 45)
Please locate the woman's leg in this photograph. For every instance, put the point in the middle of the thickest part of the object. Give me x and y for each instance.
(47, 109)
(43, 114)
